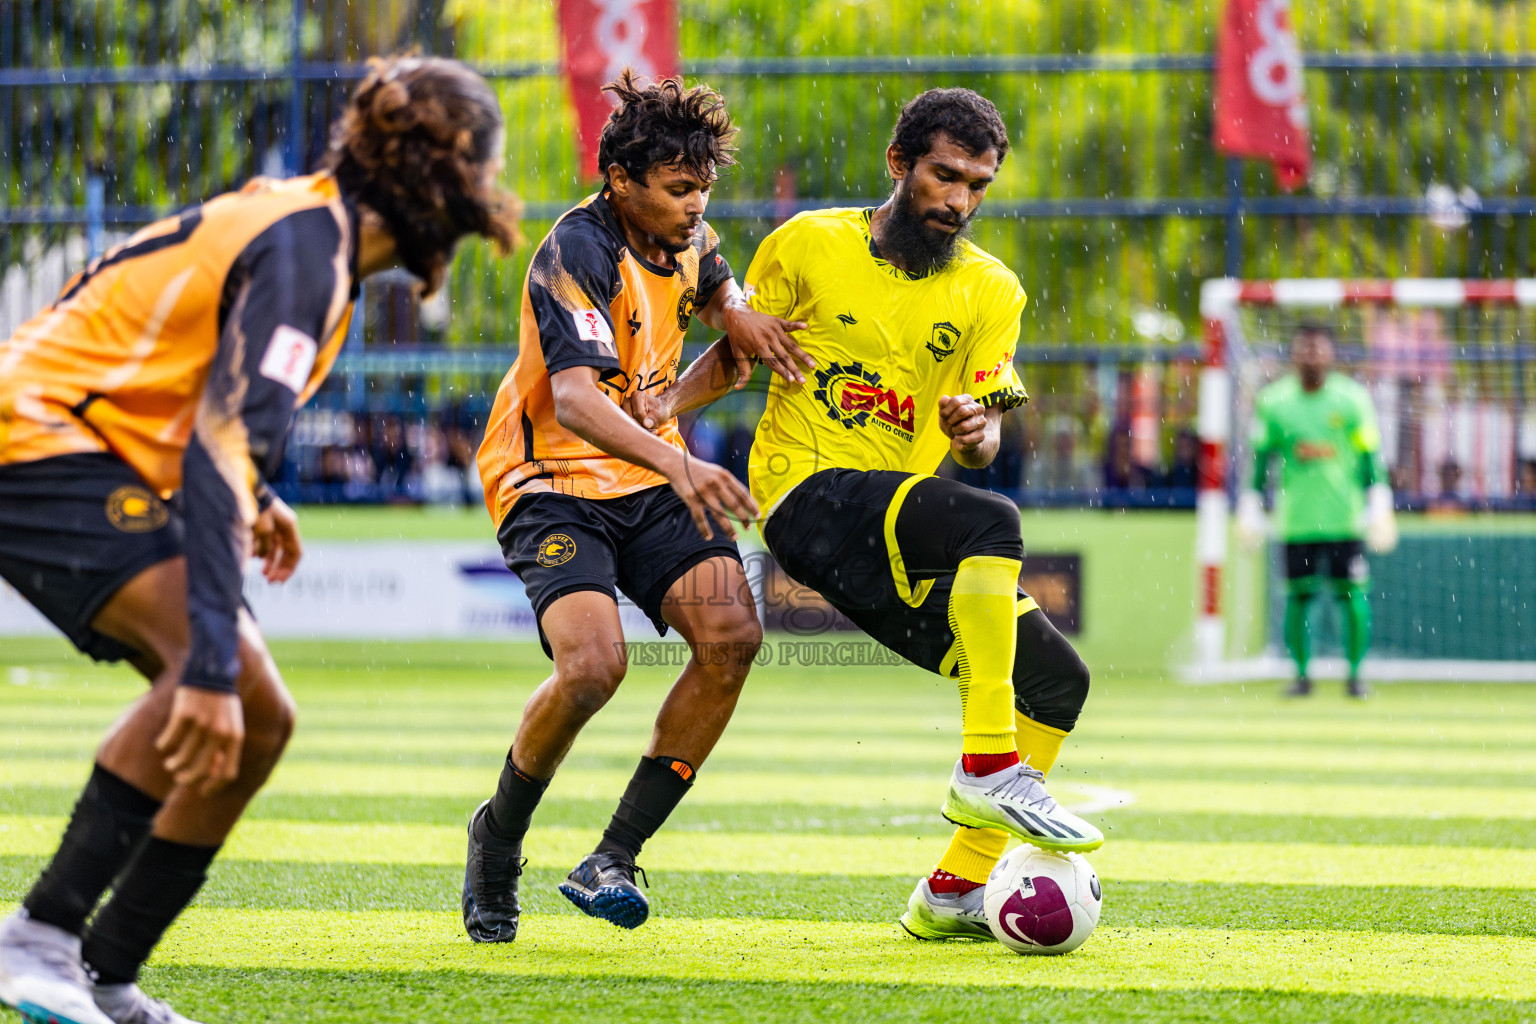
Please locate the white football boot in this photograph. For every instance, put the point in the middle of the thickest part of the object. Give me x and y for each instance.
(127, 1004)
(938, 916)
(41, 976)
(1016, 801)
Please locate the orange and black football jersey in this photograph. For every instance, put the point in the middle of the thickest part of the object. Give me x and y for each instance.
(124, 360)
(590, 300)
(184, 352)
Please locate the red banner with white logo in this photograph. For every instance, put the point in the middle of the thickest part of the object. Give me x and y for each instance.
(599, 39)
(1260, 107)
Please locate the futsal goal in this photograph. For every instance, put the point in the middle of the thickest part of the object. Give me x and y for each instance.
(1451, 369)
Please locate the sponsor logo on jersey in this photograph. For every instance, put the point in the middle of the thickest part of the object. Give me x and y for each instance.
(982, 375)
(592, 326)
(556, 549)
(854, 397)
(685, 309)
(135, 509)
(943, 340)
(289, 357)
(1308, 451)
(847, 318)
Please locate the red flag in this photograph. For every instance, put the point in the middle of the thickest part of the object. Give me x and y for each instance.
(1260, 109)
(600, 38)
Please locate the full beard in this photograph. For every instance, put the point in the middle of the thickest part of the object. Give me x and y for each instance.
(911, 240)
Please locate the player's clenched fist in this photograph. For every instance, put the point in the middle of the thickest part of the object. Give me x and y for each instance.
(963, 420)
(706, 488)
(649, 408)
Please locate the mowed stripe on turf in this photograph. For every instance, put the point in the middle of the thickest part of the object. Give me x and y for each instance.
(1466, 966)
(1132, 860)
(921, 791)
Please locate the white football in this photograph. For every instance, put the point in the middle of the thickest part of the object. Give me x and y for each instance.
(1040, 902)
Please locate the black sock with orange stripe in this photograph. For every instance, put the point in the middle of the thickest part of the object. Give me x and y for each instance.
(658, 786)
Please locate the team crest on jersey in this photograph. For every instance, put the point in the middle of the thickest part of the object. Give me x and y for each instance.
(556, 549)
(943, 340)
(854, 397)
(135, 509)
(685, 309)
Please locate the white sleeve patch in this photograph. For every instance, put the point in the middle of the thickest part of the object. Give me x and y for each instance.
(590, 326)
(290, 357)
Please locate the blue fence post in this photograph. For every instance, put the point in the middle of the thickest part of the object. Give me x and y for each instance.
(293, 151)
(1234, 260)
(95, 215)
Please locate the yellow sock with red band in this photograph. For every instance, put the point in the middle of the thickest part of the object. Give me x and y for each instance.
(968, 861)
(981, 614)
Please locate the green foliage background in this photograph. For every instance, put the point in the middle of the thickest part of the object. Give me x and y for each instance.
(1378, 132)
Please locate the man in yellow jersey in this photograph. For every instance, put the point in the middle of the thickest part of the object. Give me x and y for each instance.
(587, 504)
(911, 335)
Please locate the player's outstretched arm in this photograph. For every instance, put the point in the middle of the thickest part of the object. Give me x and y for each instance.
(582, 408)
(974, 431)
(756, 336)
(708, 378)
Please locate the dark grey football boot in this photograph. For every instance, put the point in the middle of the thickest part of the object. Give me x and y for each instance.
(491, 870)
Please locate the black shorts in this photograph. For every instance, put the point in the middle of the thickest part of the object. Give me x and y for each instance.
(73, 530)
(1345, 560)
(642, 543)
(834, 533)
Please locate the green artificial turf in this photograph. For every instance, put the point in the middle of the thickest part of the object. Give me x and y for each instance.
(1315, 861)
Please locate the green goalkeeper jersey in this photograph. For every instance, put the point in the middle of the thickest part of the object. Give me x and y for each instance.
(1328, 446)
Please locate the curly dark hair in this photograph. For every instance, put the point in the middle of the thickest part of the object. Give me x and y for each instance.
(411, 146)
(965, 116)
(656, 123)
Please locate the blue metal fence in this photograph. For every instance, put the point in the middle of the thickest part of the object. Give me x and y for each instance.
(1112, 208)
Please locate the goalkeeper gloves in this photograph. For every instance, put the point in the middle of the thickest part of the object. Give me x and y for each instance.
(1252, 523)
(1380, 523)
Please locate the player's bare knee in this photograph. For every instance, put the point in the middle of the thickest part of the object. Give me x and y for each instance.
(728, 656)
(589, 677)
(270, 718)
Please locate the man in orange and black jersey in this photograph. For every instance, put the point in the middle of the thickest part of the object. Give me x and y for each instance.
(140, 416)
(587, 504)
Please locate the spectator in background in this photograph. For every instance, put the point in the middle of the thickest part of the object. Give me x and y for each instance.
(393, 459)
(1122, 473)
(440, 484)
(1184, 473)
(1525, 484)
(1449, 500)
(1064, 474)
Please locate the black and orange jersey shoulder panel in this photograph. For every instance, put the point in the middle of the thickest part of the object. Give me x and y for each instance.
(714, 271)
(572, 280)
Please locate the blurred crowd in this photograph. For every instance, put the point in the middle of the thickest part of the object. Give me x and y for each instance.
(385, 458)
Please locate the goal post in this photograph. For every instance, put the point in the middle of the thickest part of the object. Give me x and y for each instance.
(1451, 367)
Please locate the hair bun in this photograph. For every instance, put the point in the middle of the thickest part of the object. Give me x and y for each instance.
(391, 107)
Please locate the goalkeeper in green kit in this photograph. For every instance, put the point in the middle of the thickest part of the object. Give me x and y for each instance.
(1333, 493)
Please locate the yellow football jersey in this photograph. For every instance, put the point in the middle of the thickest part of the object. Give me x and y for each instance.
(887, 346)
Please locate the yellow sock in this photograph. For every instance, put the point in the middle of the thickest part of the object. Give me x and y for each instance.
(981, 613)
(972, 853)
(1039, 744)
